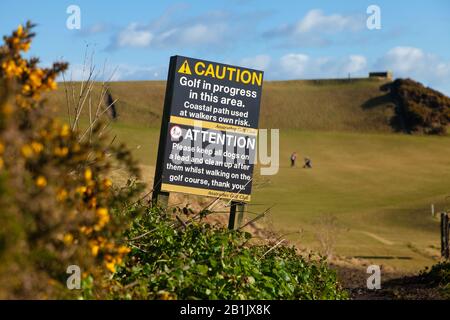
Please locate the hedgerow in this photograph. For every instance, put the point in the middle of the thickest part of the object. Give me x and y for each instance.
(174, 260)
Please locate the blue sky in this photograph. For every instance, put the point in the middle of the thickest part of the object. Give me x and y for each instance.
(286, 39)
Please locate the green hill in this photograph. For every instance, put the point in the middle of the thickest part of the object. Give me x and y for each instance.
(337, 105)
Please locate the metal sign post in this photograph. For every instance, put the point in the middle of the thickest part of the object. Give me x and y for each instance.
(236, 215)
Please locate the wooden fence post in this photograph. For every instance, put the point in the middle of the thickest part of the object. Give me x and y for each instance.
(447, 242)
(445, 230)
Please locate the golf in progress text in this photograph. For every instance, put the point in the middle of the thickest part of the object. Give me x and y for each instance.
(228, 309)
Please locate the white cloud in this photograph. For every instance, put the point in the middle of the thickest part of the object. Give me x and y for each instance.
(354, 64)
(318, 29)
(201, 33)
(295, 64)
(316, 21)
(259, 62)
(134, 36)
(417, 64)
(193, 35)
(214, 29)
(404, 59)
(198, 34)
(302, 66)
(93, 29)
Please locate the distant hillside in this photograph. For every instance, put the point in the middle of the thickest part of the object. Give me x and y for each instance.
(336, 105)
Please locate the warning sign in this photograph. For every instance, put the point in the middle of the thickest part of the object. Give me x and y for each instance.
(185, 68)
(209, 129)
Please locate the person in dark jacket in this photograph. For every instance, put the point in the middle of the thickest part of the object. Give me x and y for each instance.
(308, 164)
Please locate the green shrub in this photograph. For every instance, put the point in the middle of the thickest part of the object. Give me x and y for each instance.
(439, 276)
(170, 260)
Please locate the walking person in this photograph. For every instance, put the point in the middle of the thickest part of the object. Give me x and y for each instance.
(308, 164)
(293, 159)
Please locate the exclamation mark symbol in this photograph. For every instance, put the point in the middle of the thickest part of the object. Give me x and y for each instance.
(185, 68)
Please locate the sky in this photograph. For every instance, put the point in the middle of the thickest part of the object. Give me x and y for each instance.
(133, 40)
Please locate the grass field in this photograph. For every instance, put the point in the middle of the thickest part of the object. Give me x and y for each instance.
(378, 184)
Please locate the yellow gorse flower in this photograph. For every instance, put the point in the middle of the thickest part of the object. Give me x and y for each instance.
(88, 174)
(103, 218)
(111, 266)
(65, 130)
(25, 46)
(51, 84)
(26, 151)
(86, 230)
(107, 183)
(41, 182)
(11, 69)
(37, 147)
(26, 89)
(102, 212)
(123, 250)
(81, 189)
(61, 151)
(35, 78)
(19, 30)
(94, 249)
(68, 239)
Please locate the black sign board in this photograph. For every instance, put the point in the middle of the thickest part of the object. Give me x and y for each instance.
(209, 129)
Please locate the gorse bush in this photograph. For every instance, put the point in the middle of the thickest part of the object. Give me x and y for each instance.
(422, 109)
(174, 260)
(56, 199)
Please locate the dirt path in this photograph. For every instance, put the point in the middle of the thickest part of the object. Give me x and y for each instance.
(394, 285)
(378, 238)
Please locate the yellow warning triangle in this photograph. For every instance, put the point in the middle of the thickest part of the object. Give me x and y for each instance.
(185, 68)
